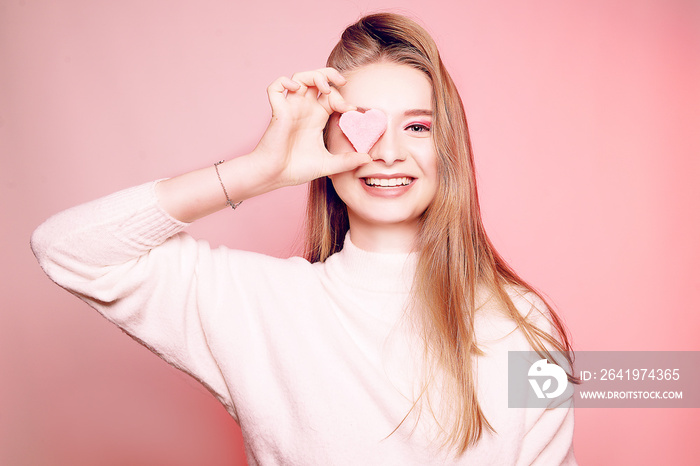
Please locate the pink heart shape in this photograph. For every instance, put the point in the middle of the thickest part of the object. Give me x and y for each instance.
(363, 129)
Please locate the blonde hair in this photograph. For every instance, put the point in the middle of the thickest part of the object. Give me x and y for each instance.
(455, 256)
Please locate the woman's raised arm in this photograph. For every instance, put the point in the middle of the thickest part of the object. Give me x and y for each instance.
(290, 152)
(122, 255)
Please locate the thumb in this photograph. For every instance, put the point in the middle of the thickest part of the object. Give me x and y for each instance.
(338, 163)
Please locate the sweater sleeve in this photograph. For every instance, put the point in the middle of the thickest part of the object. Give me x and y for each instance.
(549, 431)
(541, 433)
(124, 255)
(549, 440)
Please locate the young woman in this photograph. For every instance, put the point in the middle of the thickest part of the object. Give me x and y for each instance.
(388, 343)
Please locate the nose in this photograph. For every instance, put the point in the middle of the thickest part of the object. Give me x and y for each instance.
(387, 148)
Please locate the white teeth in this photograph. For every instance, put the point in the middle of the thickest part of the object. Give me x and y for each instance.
(390, 182)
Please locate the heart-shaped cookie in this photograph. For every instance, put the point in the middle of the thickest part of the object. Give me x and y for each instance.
(363, 129)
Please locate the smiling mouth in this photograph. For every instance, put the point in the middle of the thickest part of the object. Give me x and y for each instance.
(388, 182)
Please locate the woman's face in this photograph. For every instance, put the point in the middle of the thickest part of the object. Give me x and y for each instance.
(404, 156)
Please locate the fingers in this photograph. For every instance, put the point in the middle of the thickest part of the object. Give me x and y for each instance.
(321, 79)
(339, 163)
(319, 84)
(276, 90)
(334, 102)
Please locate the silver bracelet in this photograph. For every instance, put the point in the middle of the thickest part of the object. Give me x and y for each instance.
(228, 199)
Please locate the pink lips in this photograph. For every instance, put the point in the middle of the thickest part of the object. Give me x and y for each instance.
(387, 186)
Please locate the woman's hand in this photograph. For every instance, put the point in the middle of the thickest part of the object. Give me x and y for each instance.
(292, 150)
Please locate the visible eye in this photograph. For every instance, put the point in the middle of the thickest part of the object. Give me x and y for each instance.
(418, 127)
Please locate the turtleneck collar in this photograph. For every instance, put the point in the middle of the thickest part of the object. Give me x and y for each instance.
(374, 271)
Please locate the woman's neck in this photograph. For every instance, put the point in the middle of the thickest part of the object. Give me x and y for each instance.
(383, 238)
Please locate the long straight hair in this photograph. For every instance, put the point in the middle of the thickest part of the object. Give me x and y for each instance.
(456, 259)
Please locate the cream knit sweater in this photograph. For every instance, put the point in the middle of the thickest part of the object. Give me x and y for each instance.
(316, 362)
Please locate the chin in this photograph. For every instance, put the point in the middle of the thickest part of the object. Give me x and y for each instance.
(386, 217)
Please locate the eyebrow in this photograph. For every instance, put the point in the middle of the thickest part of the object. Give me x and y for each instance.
(411, 112)
(418, 112)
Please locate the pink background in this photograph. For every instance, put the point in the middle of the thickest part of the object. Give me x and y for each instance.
(585, 118)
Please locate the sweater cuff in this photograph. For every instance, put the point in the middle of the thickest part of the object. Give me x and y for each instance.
(107, 231)
(144, 222)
